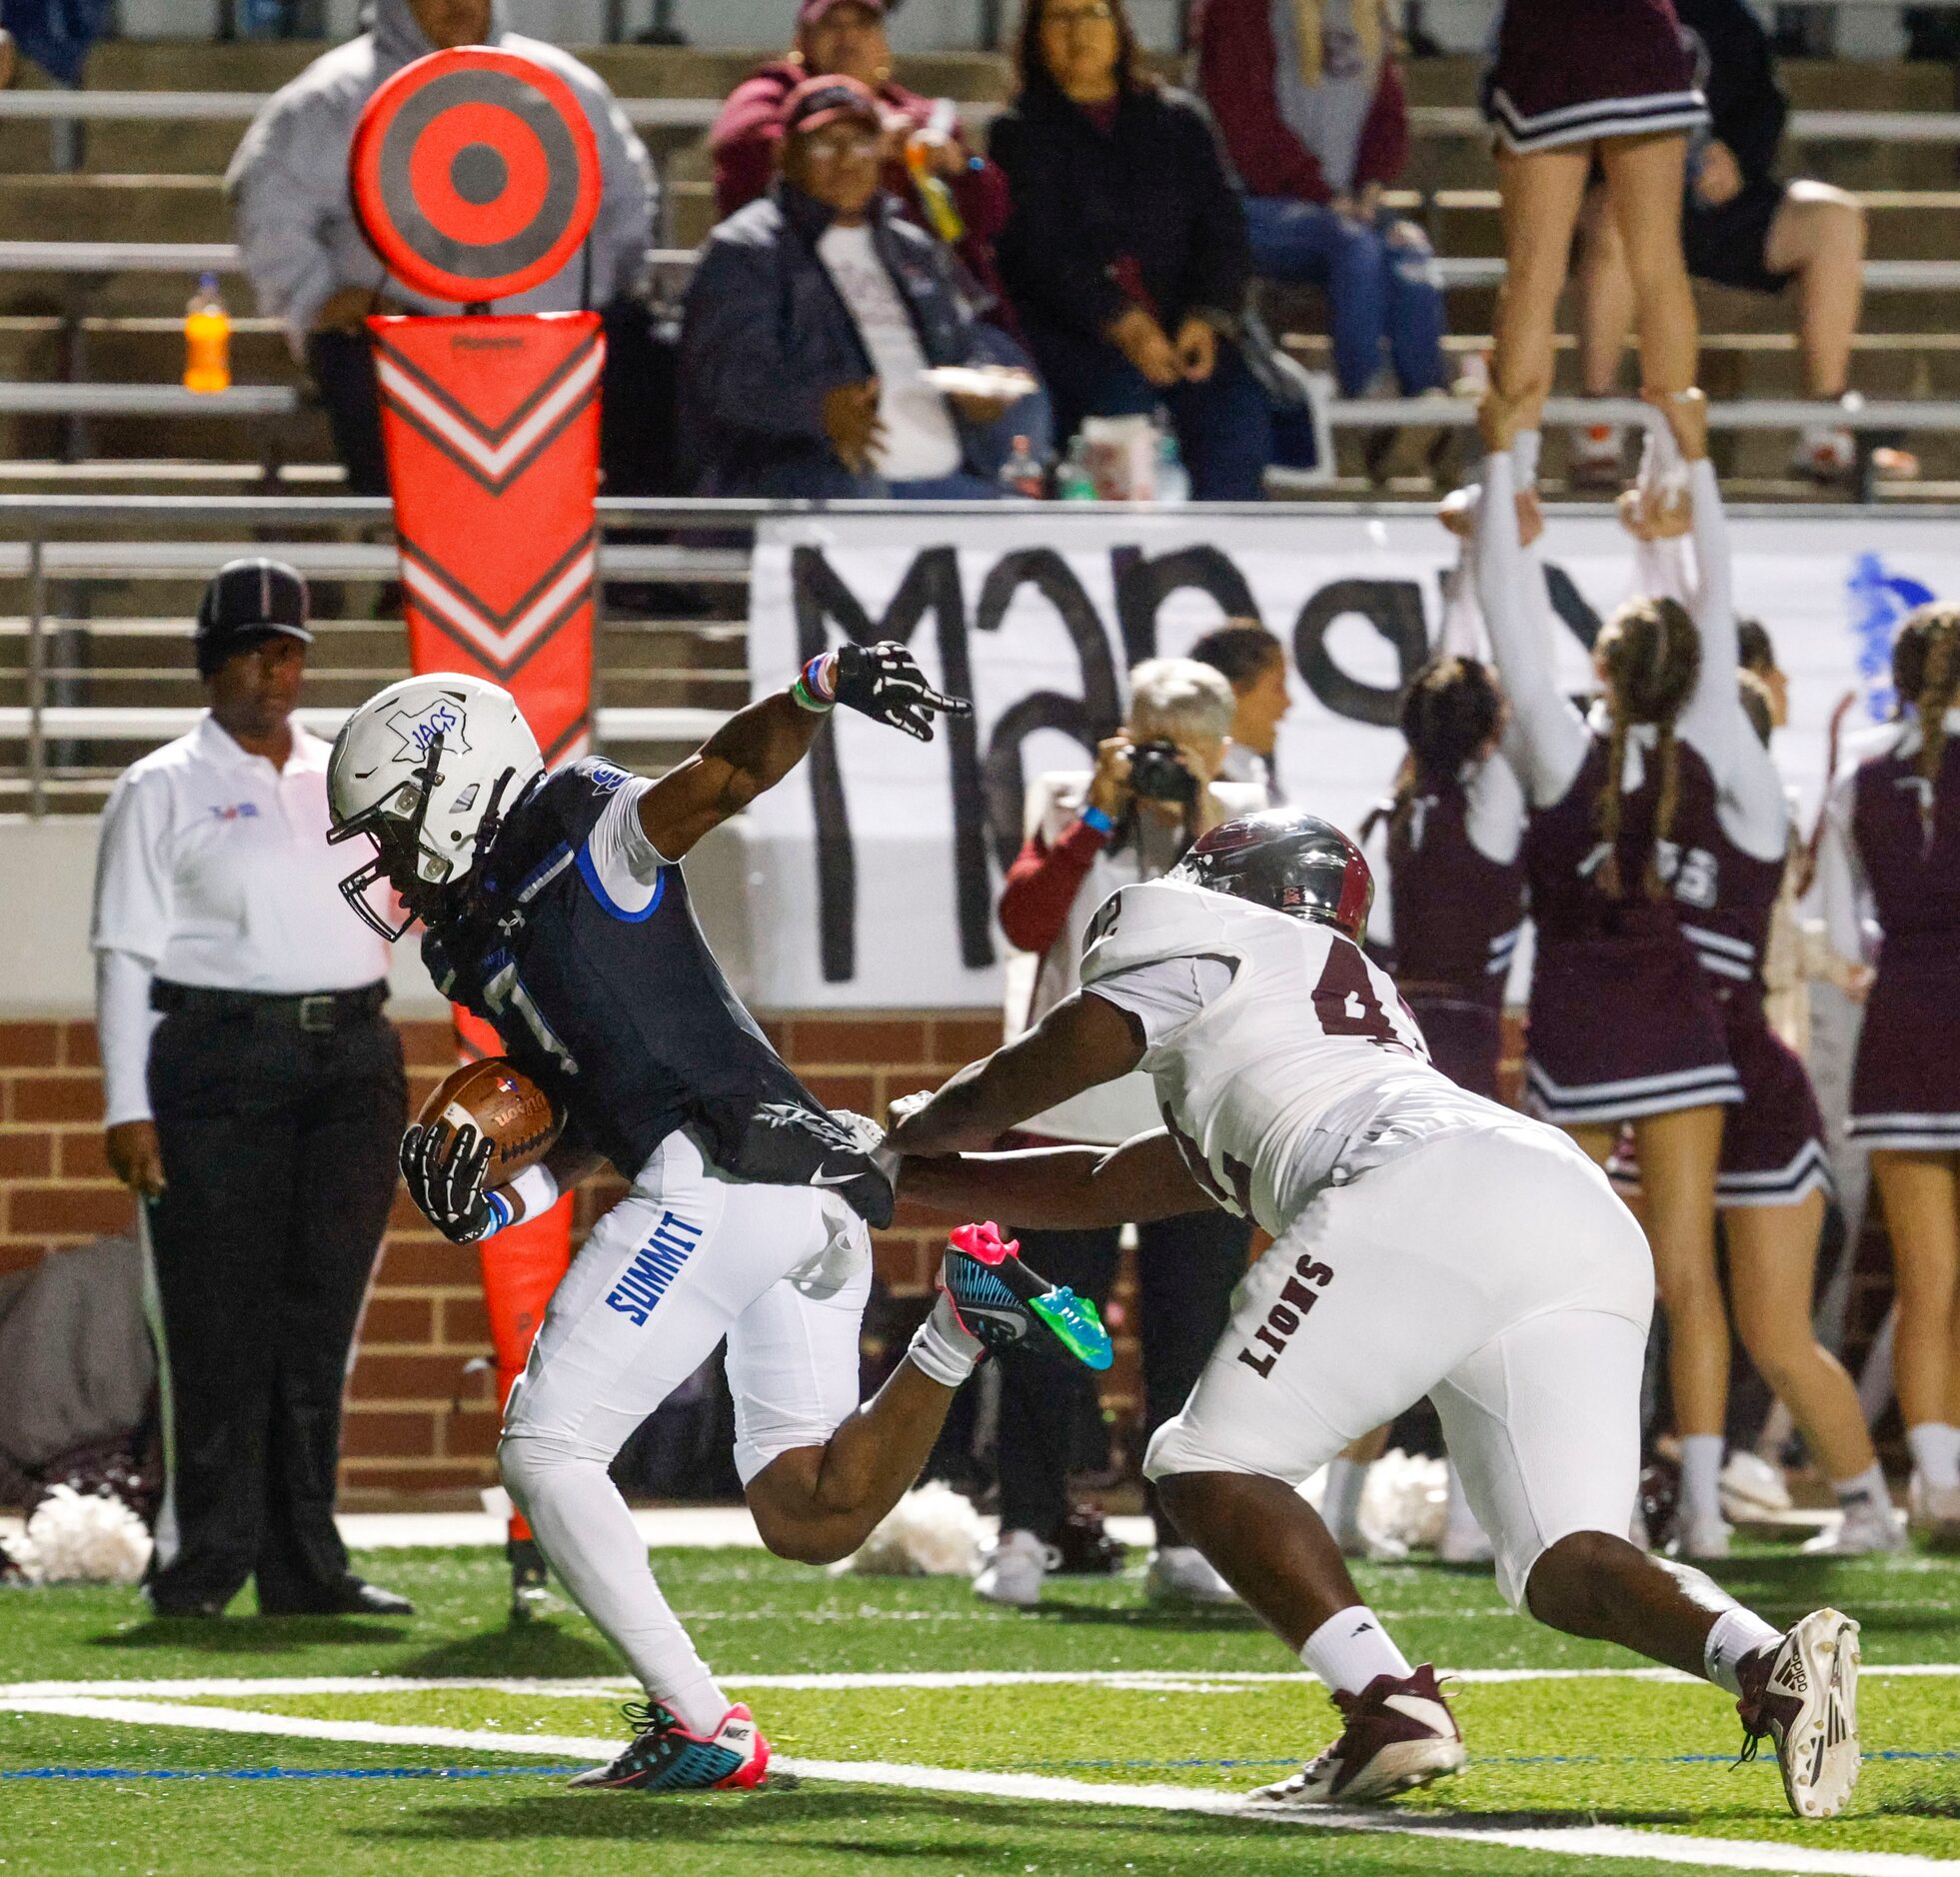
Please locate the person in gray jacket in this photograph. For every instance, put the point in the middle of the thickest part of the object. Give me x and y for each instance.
(310, 265)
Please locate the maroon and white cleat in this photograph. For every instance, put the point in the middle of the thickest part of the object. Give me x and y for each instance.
(1801, 1695)
(1400, 1735)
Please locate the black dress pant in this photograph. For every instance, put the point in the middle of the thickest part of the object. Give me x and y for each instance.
(279, 1154)
(1187, 1268)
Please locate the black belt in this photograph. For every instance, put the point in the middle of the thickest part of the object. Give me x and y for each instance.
(318, 1012)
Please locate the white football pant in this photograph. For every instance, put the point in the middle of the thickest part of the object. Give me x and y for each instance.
(686, 1257)
(1493, 1269)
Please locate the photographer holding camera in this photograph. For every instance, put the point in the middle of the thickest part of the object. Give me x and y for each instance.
(1154, 791)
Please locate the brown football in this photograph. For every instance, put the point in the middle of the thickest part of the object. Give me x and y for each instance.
(501, 1103)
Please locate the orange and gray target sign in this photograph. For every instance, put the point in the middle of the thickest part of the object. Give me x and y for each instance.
(475, 174)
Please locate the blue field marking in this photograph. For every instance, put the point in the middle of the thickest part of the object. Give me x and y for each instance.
(290, 1772)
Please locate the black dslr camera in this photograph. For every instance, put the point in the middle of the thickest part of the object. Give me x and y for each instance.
(1157, 774)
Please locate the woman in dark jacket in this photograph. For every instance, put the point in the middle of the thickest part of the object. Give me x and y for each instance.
(1124, 251)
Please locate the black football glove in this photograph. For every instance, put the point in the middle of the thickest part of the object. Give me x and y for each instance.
(445, 1174)
(884, 682)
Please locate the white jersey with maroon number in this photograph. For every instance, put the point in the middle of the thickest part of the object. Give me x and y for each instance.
(1304, 1072)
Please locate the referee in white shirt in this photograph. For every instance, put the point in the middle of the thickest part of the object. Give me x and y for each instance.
(256, 1101)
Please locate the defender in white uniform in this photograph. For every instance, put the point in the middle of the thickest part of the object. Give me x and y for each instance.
(1425, 1241)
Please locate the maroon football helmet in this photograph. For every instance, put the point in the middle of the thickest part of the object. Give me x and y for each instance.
(1288, 861)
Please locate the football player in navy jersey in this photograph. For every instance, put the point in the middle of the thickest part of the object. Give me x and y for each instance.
(1425, 1241)
(557, 910)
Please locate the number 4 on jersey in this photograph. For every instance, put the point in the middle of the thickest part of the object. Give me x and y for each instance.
(1345, 1003)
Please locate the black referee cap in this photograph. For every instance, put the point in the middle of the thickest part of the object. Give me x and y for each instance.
(246, 601)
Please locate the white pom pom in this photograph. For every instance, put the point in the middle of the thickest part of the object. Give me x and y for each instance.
(933, 1531)
(1751, 1486)
(1406, 1497)
(81, 1538)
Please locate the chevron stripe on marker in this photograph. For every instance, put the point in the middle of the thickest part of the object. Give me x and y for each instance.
(502, 643)
(492, 461)
(499, 616)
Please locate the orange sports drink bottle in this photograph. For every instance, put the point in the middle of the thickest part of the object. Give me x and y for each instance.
(934, 198)
(207, 339)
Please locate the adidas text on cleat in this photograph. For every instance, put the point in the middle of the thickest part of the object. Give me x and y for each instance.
(1400, 1735)
(666, 1757)
(1801, 1694)
(1002, 1305)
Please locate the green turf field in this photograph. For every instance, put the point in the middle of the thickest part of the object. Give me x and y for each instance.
(441, 1744)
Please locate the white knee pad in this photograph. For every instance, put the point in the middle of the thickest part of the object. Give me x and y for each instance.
(531, 1466)
(1178, 1448)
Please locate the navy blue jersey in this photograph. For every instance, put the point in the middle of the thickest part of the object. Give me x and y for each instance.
(621, 1014)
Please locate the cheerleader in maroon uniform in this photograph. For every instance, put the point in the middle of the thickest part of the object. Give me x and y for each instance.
(1623, 1024)
(1891, 857)
(1773, 1176)
(1455, 871)
(1604, 80)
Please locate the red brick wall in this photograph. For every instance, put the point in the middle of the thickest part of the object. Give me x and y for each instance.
(424, 1319)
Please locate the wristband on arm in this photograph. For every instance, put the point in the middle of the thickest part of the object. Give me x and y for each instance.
(1093, 817)
(534, 1189)
(815, 686)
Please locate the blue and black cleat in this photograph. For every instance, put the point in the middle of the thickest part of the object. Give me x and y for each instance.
(1004, 1305)
(666, 1757)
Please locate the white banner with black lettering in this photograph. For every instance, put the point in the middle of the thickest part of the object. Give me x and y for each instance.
(872, 871)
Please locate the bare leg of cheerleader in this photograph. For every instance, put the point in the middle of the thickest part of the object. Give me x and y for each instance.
(1541, 194)
(1643, 186)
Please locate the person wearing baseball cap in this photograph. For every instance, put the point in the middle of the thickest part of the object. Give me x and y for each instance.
(255, 1101)
(812, 321)
(848, 38)
(247, 603)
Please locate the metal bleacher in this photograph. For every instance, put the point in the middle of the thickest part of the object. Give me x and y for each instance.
(113, 205)
(119, 489)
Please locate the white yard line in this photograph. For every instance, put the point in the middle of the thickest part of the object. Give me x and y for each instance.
(1572, 1841)
(604, 1687)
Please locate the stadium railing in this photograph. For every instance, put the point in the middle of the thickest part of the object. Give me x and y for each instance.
(191, 258)
(39, 737)
(699, 113)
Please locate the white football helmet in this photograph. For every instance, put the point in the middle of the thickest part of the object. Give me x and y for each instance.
(426, 769)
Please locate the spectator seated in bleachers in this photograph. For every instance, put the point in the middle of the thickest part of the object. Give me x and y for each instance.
(311, 267)
(811, 319)
(1124, 250)
(1309, 99)
(1741, 227)
(847, 37)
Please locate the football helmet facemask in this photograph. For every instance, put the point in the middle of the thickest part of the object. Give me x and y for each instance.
(1288, 861)
(426, 769)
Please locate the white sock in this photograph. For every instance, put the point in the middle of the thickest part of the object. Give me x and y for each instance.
(589, 1535)
(1701, 1476)
(1524, 457)
(1866, 1493)
(1351, 1648)
(942, 1348)
(1458, 1520)
(1936, 1453)
(1341, 1509)
(1737, 1632)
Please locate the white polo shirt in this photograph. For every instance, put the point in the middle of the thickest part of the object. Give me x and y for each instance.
(214, 869)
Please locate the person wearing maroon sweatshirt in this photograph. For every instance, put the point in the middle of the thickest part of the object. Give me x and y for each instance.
(847, 37)
(1309, 100)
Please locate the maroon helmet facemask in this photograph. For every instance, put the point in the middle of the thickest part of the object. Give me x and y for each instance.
(1288, 861)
